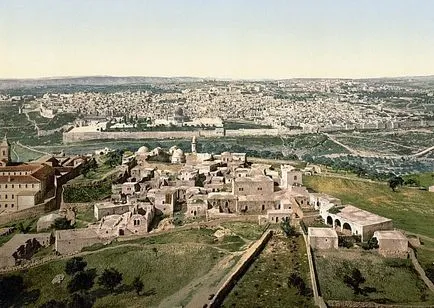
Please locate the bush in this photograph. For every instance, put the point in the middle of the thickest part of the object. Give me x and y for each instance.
(82, 281)
(74, 265)
(110, 278)
(62, 223)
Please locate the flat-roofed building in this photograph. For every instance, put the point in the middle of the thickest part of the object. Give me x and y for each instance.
(322, 238)
(352, 220)
(392, 244)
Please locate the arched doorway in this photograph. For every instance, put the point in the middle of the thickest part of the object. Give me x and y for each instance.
(338, 223)
(347, 227)
(329, 220)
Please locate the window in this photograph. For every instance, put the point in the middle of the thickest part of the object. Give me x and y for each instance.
(6, 205)
(33, 185)
(12, 205)
(12, 196)
(19, 185)
(295, 178)
(6, 185)
(240, 189)
(12, 185)
(6, 196)
(26, 185)
(259, 188)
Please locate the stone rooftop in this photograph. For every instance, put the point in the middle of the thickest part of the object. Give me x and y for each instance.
(322, 232)
(360, 217)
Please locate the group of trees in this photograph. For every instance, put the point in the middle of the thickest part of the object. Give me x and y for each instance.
(82, 281)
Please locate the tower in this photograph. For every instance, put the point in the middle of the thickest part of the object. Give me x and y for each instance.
(193, 145)
(5, 150)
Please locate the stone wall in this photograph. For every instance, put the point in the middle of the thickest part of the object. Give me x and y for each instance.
(71, 136)
(243, 265)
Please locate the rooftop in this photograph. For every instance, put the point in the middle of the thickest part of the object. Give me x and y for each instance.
(390, 235)
(360, 217)
(321, 232)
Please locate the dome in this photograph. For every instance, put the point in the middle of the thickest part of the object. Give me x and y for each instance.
(142, 150)
(178, 153)
(173, 149)
(179, 111)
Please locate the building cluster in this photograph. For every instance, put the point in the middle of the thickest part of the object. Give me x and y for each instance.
(309, 105)
(208, 186)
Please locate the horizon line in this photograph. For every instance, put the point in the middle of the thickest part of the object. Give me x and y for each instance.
(207, 78)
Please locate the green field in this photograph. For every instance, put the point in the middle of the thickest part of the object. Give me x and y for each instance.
(410, 209)
(383, 276)
(265, 284)
(424, 179)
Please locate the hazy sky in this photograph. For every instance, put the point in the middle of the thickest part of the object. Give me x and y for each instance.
(211, 38)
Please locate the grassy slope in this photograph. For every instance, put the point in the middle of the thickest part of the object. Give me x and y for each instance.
(265, 283)
(179, 258)
(410, 209)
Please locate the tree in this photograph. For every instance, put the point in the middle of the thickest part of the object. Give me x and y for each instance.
(62, 223)
(74, 265)
(396, 181)
(287, 228)
(110, 278)
(81, 281)
(355, 280)
(138, 284)
(90, 165)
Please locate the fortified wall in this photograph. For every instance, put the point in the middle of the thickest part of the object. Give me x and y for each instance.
(71, 136)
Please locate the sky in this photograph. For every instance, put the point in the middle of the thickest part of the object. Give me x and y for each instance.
(248, 39)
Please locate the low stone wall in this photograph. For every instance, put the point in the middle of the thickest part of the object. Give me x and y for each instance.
(420, 270)
(245, 262)
(319, 301)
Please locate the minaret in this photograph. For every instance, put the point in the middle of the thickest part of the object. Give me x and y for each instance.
(5, 150)
(193, 145)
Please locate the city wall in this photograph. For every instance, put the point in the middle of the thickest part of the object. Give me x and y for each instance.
(71, 136)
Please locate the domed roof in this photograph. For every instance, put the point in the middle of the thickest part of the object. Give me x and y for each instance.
(178, 153)
(142, 150)
(179, 111)
(173, 149)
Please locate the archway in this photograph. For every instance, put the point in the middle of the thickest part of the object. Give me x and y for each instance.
(347, 227)
(329, 220)
(338, 223)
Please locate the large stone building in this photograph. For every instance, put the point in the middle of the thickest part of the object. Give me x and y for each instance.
(25, 185)
(354, 221)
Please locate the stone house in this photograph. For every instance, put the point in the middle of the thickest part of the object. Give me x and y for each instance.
(130, 188)
(290, 177)
(322, 238)
(103, 209)
(225, 202)
(164, 199)
(392, 244)
(197, 206)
